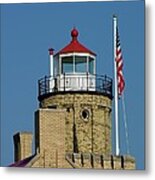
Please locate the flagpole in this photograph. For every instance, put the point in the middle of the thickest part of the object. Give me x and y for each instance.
(116, 88)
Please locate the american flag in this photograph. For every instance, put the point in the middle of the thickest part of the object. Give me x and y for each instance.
(119, 62)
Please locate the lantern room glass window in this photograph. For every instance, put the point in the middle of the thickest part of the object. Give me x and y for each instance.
(80, 64)
(67, 64)
(91, 65)
(56, 66)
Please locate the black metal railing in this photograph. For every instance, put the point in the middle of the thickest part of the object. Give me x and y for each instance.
(75, 82)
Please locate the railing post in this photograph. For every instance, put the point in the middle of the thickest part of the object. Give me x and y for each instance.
(87, 81)
(105, 84)
(111, 84)
(39, 88)
(48, 84)
(45, 84)
(55, 84)
(64, 81)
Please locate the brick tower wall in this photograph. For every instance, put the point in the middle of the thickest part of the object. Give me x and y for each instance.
(50, 138)
(22, 145)
(90, 135)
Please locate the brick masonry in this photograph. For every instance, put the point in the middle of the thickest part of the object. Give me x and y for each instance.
(92, 134)
(22, 145)
(50, 137)
(74, 131)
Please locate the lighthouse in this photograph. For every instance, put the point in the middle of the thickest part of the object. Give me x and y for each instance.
(73, 124)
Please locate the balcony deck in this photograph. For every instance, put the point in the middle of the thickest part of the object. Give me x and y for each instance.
(75, 83)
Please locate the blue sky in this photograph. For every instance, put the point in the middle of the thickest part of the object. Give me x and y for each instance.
(28, 30)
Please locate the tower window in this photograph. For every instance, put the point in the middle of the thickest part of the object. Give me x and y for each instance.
(91, 65)
(80, 64)
(67, 64)
(85, 115)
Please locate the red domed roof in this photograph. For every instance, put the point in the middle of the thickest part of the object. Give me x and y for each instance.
(75, 46)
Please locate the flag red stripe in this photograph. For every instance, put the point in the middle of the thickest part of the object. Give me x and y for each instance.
(119, 68)
(118, 51)
(119, 62)
(119, 58)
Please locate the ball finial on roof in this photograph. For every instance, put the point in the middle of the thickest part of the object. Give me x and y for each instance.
(74, 33)
(75, 45)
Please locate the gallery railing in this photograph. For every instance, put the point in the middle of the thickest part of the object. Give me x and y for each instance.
(75, 82)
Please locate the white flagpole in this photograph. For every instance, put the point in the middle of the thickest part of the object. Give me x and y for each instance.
(116, 87)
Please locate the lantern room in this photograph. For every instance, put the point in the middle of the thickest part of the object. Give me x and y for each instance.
(73, 66)
(72, 69)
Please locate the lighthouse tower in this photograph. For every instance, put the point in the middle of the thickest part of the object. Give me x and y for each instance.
(73, 123)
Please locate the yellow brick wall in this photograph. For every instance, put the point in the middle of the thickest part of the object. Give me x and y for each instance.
(23, 145)
(98, 161)
(50, 137)
(64, 140)
(91, 136)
